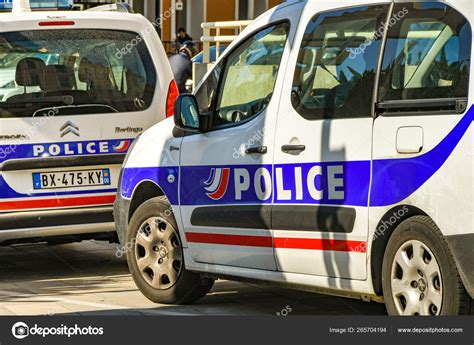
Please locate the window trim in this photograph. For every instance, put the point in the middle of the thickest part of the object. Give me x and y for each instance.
(408, 107)
(378, 71)
(213, 108)
(381, 108)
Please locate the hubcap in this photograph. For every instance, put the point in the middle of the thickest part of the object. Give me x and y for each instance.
(158, 253)
(416, 280)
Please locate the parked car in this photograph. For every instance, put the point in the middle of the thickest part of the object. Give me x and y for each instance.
(77, 89)
(199, 58)
(342, 163)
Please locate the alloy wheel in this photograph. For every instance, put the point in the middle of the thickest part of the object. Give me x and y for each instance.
(158, 253)
(416, 280)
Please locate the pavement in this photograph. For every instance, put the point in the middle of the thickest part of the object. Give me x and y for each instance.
(88, 278)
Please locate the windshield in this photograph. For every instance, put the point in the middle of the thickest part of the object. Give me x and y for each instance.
(75, 72)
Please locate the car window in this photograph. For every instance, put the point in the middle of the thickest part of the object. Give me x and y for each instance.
(427, 54)
(74, 72)
(207, 90)
(337, 62)
(250, 75)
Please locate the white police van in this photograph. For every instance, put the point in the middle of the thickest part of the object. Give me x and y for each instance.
(76, 88)
(340, 161)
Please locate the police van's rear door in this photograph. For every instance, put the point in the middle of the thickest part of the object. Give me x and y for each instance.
(72, 100)
(423, 133)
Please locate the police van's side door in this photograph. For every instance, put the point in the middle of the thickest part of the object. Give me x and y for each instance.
(323, 142)
(226, 173)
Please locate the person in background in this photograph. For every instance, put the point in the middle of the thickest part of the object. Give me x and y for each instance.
(183, 36)
(182, 66)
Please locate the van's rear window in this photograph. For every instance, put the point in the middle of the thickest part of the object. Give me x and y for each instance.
(74, 72)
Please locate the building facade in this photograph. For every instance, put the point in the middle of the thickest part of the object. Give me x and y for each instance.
(169, 15)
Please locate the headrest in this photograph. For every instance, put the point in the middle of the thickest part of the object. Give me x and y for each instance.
(58, 78)
(29, 72)
(85, 70)
(93, 70)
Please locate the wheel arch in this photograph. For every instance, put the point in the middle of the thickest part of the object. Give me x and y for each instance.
(146, 190)
(384, 230)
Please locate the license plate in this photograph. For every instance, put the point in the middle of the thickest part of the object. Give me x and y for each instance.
(71, 179)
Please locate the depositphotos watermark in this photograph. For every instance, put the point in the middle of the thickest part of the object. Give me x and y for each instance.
(257, 138)
(285, 311)
(396, 17)
(383, 227)
(31, 131)
(127, 247)
(128, 48)
(21, 330)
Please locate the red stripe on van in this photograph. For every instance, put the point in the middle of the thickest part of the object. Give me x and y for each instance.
(52, 203)
(278, 243)
(320, 244)
(230, 240)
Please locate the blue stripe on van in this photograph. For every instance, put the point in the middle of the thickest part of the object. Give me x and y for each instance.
(76, 148)
(132, 177)
(396, 179)
(393, 179)
(9, 151)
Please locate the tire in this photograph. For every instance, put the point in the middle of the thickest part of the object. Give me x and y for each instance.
(156, 259)
(419, 274)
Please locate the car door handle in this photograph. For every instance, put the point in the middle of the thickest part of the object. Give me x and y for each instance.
(174, 148)
(260, 150)
(293, 148)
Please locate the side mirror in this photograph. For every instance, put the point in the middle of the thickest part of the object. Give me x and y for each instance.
(187, 116)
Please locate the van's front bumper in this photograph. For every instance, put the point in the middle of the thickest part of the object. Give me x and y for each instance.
(462, 248)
